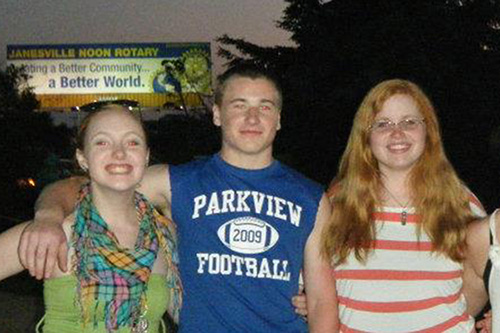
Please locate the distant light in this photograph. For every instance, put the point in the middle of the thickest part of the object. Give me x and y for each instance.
(485, 47)
(494, 24)
(26, 182)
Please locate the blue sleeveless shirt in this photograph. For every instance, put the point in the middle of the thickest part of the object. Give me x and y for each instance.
(242, 235)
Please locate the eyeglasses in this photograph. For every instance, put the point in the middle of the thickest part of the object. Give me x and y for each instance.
(385, 125)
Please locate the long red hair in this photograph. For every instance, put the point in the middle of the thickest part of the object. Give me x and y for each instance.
(441, 199)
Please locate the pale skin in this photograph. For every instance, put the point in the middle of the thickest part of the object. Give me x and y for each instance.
(249, 116)
(115, 154)
(9, 242)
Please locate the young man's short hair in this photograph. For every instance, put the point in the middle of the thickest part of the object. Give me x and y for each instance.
(245, 71)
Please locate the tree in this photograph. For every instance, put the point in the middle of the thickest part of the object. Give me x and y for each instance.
(344, 47)
(27, 139)
(15, 95)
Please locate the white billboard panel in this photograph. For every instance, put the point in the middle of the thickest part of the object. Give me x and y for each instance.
(115, 68)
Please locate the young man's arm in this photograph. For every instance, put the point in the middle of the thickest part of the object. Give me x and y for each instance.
(321, 296)
(44, 241)
(156, 187)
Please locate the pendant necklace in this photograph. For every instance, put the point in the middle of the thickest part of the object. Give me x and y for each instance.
(404, 213)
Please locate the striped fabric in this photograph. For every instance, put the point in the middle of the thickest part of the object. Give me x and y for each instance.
(403, 287)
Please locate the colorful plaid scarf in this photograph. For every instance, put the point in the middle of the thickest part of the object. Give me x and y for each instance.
(116, 277)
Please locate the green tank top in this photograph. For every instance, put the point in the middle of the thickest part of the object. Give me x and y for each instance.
(62, 314)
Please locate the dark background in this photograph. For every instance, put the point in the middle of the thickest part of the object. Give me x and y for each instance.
(451, 48)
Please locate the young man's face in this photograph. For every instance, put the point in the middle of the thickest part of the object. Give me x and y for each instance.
(249, 116)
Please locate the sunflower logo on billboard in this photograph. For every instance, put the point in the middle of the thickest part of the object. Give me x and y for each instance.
(197, 75)
(188, 73)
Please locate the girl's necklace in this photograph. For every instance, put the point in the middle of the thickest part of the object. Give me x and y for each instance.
(404, 213)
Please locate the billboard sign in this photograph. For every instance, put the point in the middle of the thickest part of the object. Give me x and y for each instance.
(115, 68)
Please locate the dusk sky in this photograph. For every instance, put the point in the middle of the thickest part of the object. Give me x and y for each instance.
(97, 21)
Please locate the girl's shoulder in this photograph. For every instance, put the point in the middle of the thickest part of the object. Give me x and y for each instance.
(478, 243)
(333, 190)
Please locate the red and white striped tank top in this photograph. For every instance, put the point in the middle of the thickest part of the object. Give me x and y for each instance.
(404, 286)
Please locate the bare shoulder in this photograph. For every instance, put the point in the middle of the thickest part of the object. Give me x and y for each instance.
(478, 243)
(324, 210)
(157, 169)
(313, 244)
(156, 185)
(478, 234)
(322, 218)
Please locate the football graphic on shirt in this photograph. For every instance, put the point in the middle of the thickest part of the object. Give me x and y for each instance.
(248, 235)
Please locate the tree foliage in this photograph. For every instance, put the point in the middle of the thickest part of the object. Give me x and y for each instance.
(15, 94)
(449, 47)
(27, 139)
